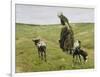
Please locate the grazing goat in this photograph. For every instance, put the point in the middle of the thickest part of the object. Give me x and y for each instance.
(41, 46)
(78, 52)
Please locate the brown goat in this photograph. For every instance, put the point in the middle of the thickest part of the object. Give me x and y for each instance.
(41, 46)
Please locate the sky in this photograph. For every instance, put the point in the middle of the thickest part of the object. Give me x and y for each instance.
(37, 14)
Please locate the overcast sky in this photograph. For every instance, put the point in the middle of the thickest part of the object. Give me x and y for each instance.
(32, 14)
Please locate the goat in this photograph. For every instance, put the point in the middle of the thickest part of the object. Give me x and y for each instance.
(41, 46)
(78, 52)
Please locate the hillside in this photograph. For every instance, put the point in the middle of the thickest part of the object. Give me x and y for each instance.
(26, 53)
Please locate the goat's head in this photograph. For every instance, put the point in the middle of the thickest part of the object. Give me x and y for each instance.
(36, 41)
(77, 43)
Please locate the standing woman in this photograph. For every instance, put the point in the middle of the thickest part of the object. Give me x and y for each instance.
(66, 37)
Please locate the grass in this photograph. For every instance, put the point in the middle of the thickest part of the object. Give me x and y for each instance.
(26, 53)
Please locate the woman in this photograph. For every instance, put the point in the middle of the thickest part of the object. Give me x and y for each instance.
(66, 37)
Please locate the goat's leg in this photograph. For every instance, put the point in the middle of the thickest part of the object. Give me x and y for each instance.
(79, 58)
(45, 56)
(41, 55)
(73, 63)
(73, 57)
